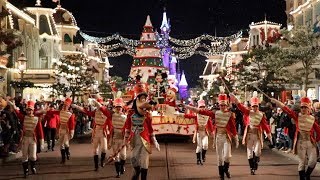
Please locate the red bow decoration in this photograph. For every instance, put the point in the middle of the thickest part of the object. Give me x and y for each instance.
(186, 129)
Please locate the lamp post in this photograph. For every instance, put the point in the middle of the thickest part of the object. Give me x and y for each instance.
(22, 66)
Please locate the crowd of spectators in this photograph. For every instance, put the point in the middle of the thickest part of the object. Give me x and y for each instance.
(11, 126)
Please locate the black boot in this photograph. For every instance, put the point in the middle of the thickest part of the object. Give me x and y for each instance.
(226, 169)
(96, 162)
(308, 173)
(67, 153)
(33, 168)
(63, 156)
(199, 159)
(251, 163)
(302, 175)
(144, 173)
(103, 157)
(204, 155)
(221, 172)
(122, 168)
(25, 169)
(256, 162)
(136, 174)
(117, 165)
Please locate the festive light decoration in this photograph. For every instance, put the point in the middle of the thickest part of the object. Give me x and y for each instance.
(73, 74)
(182, 48)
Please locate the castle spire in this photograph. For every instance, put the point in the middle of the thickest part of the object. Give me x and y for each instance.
(164, 25)
(148, 22)
(183, 81)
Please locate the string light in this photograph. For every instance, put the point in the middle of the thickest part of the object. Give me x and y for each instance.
(182, 48)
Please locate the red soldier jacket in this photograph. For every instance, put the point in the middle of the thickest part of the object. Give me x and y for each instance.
(117, 125)
(142, 125)
(102, 117)
(32, 126)
(66, 119)
(255, 119)
(305, 125)
(222, 120)
(208, 127)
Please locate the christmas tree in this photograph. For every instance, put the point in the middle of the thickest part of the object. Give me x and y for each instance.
(147, 62)
(73, 75)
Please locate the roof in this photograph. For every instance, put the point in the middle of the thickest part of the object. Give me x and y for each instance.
(64, 17)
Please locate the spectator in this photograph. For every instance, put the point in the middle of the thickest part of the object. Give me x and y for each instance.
(51, 121)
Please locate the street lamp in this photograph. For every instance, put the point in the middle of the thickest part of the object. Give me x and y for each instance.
(22, 66)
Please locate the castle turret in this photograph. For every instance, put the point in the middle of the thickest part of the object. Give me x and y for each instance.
(183, 87)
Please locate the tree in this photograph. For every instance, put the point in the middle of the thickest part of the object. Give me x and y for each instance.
(264, 67)
(73, 75)
(109, 88)
(304, 53)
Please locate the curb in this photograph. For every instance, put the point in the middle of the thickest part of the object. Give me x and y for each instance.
(16, 156)
(11, 157)
(293, 157)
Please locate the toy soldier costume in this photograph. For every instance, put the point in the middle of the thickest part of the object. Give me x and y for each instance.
(32, 130)
(304, 143)
(225, 131)
(255, 123)
(102, 121)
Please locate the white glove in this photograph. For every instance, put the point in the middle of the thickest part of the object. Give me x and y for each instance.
(270, 139)
(157, 146)
(71, 134)
(155, 142)
(42, 144)
(273, 100)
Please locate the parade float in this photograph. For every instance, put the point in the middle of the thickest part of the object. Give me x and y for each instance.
(148, 70)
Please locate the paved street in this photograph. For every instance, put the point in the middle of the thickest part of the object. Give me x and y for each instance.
(175, 161)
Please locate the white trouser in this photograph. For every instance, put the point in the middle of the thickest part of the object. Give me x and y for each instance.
(29, 149)
(223, 149)
(117, 144)
(307, 152)
(64, 138)
(202, 141)
(99, 141)
(140, 155)
(253, 145)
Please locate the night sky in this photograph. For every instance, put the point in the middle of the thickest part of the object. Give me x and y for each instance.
(188, 18)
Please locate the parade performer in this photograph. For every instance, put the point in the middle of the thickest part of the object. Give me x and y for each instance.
(101, 126)
(66, 126)
(305, 140)
(255, 123)
(139, 132)
(204, 127)
(171, 97)
(225, 131)
(32, 130)
(117, 136)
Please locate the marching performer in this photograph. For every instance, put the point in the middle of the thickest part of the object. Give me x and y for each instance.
(66, 126)
(305, 140)
(224, 121)
(255, 123)
(117, 135)
(139, 132)
(32, 130)
(203, 129)
(101, 126)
